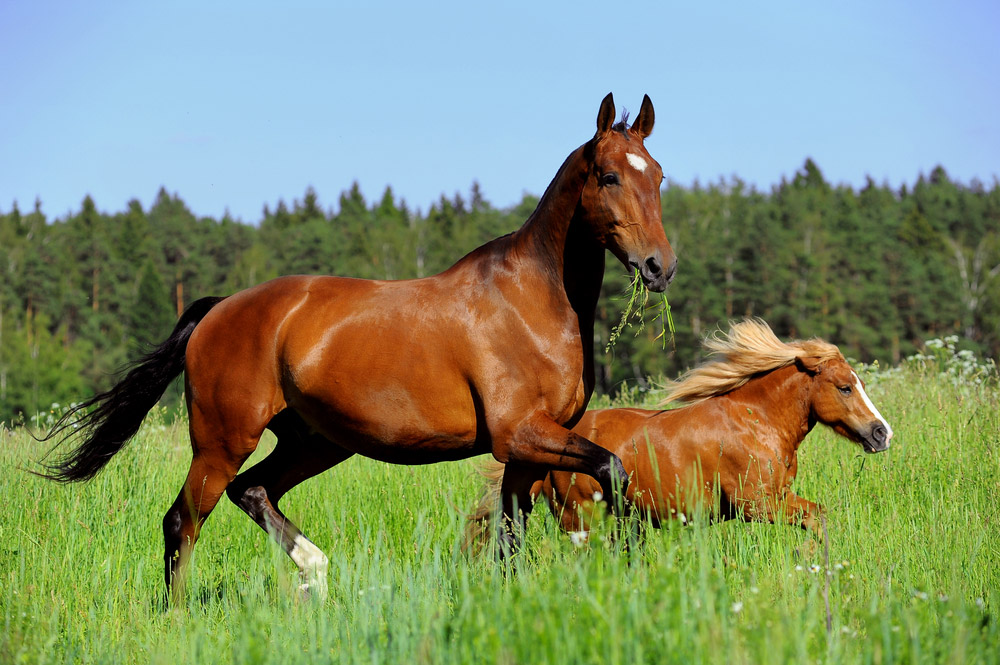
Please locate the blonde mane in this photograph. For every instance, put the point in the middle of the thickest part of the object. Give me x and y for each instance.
(749, 348)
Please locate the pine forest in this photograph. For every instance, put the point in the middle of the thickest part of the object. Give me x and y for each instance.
(877, 271)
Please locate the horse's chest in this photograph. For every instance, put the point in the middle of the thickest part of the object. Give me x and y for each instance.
(578, 402)
(568, 389)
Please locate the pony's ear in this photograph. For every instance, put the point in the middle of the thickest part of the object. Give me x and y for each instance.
(606, 116)
(808, 364)
(643, 125)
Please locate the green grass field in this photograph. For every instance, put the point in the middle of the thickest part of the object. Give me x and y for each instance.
(914, 564)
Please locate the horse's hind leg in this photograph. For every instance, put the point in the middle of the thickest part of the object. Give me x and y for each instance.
(298, 456)
(220, 448)
(206, 481)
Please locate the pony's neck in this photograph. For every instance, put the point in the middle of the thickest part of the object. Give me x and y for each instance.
(783, 394)
(556, 238)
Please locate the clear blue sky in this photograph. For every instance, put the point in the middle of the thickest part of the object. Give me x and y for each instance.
(237, 105)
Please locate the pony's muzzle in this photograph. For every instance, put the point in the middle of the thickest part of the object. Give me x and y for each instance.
(878, 439)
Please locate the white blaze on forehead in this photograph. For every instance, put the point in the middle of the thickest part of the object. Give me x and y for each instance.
(637, 162)
(871, 407)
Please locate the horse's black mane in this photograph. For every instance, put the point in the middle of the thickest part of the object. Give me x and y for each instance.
(622, 125)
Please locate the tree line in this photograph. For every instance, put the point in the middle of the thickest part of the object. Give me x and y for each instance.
(877, 271)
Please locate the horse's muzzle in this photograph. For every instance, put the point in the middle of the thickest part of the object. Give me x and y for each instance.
(655, 276)
(877, 439)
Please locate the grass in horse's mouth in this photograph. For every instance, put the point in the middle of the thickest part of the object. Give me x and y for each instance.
(636, 308)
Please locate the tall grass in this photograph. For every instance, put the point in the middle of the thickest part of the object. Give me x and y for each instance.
(913, 567)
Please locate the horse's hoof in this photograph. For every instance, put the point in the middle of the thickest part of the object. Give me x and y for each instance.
(312, 592)
(807, 550)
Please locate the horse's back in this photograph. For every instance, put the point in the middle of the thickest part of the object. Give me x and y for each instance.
(361, 361)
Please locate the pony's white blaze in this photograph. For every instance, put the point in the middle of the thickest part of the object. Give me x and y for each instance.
(637, 162)
(871, 407)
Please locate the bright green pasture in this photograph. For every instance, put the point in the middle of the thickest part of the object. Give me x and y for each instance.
(912, 570)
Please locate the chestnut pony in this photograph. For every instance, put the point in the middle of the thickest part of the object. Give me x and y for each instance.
(732, 449)
(494, 355)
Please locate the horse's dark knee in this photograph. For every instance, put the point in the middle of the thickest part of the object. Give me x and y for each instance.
(612, 475)
(172, 526)
(253, 500)
(171, 541)
(614, 484)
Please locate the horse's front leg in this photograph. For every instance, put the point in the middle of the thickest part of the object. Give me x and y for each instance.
(539, 441)
(539, 444)
(516, 502)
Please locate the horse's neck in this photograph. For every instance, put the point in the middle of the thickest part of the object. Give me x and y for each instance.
(556, 241)
(783, 395)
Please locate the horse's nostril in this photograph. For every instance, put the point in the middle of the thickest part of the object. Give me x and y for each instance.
(879, 433)
(653, 266)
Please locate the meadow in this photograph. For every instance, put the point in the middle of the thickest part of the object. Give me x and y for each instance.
(912, 574)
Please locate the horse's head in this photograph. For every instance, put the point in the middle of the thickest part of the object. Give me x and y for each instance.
(840, 401)
(621, 197)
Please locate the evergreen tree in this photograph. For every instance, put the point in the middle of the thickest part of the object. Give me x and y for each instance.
(876, 271)
(151, 316)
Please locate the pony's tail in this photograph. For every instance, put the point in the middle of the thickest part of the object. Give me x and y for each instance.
(107, 421)
(480, 521)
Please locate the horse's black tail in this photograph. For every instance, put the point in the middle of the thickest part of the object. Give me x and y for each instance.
(110, 419)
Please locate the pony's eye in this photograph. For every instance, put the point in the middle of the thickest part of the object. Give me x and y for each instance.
(845, 390)
(610, 179)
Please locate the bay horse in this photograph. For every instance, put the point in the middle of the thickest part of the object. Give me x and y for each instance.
(732, 449)
(493, 355)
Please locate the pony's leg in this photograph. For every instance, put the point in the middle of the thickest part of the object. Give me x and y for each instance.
(786, 508)
(295, 458)
(206, 481)
(804, 513)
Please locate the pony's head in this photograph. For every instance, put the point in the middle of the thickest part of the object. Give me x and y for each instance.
(840, 401)
(621, 196)
(836, 395)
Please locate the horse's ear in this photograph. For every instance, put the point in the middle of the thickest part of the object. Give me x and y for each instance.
(808, 364)
(606, 116)
(643, 125)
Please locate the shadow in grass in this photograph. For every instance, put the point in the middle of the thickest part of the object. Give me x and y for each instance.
(223, 592)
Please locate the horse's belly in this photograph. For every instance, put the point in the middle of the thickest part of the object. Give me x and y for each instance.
(395, 422)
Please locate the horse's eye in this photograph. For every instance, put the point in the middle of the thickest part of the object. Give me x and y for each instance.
(845, 390)
(610, 179)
